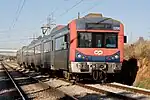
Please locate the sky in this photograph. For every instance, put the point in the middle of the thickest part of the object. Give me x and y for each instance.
(134, 14)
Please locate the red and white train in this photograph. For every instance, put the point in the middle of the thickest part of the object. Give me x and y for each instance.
(91, 46)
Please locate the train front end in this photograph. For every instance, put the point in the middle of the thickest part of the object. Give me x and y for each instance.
(96, 46)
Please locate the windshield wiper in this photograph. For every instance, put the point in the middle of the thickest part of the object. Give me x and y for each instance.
(103, 20)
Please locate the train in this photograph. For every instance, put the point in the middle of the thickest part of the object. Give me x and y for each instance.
(88, 47)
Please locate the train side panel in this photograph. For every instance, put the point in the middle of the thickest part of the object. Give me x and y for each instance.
(46, 54)
(38, 56)
(59, 55)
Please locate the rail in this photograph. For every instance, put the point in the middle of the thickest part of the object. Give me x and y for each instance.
(129, 88)
(67, 96)
(100, 90)
(113, 94)
(14, 83)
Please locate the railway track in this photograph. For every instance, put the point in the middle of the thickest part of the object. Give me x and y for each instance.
(20, 91)
(58, 95)
(106, 89)
(113, 90)
(130, 88)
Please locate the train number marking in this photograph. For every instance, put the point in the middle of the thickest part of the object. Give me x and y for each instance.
(98, 52)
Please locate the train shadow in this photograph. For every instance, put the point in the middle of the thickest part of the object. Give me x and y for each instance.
(38, 75)
(94, 96)
(128, 72)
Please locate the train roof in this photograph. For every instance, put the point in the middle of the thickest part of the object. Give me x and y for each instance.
(96, 18)
(90, 18)
(58, 29)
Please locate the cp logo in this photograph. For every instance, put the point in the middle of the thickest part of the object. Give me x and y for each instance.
(98, 52)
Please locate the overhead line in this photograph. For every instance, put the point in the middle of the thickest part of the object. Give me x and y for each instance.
(96, 4)
(15, 14)
(19, 12)
(71, 8)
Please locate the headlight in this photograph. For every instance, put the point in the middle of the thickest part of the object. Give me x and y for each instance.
(112, 58)
(116, 56)
(79, 56)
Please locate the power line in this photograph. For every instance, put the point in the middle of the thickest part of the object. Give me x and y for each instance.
(17, 17)
(71, 8)
(16, 13)
(52, 13)
(96, 4)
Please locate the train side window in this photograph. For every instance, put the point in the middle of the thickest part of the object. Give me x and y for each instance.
(47, 46)
(65, 38)
(66, 41)
(52, 45)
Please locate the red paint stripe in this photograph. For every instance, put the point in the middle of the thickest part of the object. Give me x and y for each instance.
(73, 40)
(121, 42)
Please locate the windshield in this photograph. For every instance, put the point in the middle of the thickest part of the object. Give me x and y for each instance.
(97, 40)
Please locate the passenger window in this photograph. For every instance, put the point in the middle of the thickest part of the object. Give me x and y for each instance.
(47, 46)
(59, 43)
(66, 38)
(66, 41)
(52, 45)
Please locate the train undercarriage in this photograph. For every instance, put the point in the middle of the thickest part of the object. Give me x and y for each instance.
(96, 72)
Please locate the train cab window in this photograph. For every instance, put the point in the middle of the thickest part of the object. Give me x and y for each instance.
(111, 41)
(85, 40)
(97, 40)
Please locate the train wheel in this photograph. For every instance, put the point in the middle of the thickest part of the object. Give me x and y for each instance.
(67, 75)
(77, 78)
(102, 76)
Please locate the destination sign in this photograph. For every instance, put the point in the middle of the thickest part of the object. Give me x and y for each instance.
(98, 26)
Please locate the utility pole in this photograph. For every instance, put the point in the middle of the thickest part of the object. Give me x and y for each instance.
(47, 27)
(78, 15)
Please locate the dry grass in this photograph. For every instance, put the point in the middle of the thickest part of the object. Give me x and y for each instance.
(141, 51)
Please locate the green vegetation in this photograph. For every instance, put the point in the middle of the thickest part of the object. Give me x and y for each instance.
(145, 83)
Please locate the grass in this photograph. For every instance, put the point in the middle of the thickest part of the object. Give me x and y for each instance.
(141, 51)
(145, 83)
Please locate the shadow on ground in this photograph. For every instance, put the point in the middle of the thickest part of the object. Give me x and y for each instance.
(129, 71)
(94, 96)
